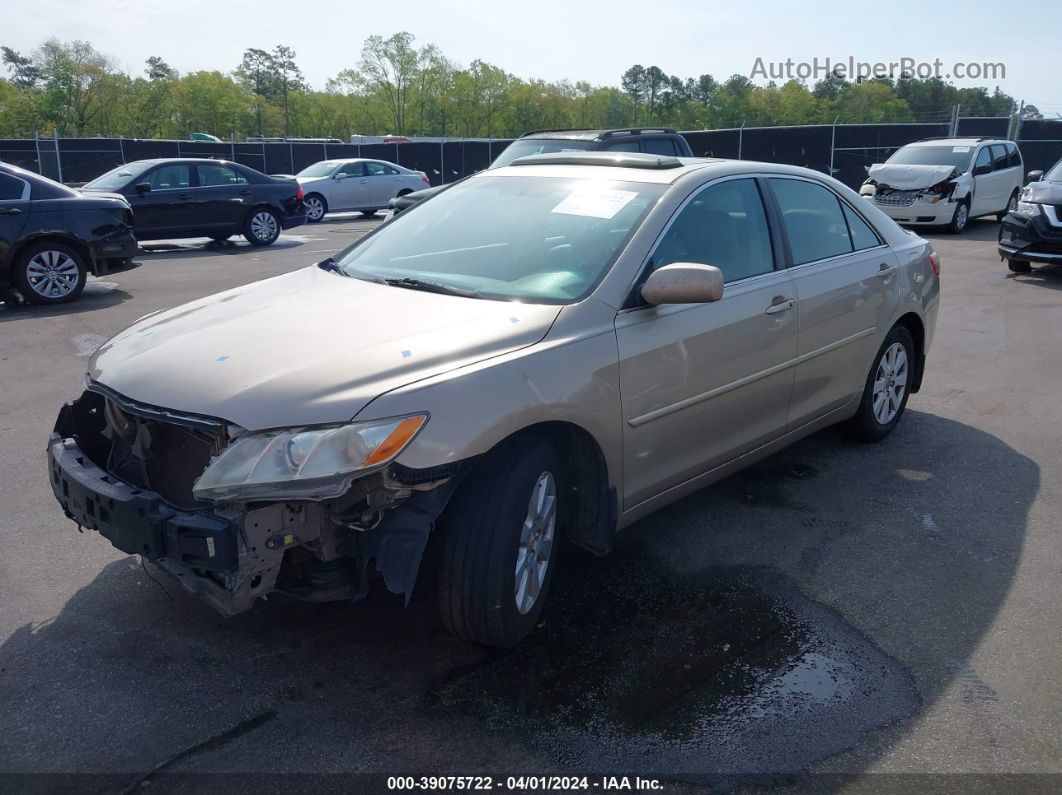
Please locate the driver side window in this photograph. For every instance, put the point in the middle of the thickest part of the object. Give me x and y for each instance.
(724, 225)
(984, 158)
(353, 169)
(170, 177)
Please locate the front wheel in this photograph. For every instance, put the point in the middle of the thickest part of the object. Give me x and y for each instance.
(887, 388)
(960, 219)
(499, 544)
(50, 273)
(262, 227)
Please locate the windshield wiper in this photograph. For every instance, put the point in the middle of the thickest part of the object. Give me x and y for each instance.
(430, 287)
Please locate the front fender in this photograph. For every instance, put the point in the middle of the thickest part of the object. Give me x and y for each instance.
(570, 377)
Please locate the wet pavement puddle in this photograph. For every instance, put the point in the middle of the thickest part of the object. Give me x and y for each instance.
(731, 670)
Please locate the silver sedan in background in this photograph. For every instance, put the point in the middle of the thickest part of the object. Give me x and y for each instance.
(360, 184)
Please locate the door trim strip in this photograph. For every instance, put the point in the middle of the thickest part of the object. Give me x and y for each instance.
(656, 414)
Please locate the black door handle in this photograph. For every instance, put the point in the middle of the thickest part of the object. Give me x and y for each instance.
(245, 193)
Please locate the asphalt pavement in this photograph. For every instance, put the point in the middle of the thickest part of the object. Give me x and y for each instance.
(841, 613)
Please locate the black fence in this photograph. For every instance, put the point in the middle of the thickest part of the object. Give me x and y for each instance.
(844, 150)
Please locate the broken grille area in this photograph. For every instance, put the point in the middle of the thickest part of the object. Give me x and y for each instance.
(896, 198)
(141, 449)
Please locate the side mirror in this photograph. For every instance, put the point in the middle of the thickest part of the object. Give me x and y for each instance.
(143, 187)
(683, 283)
(979, 170)
(340, 176)
(1036, 176)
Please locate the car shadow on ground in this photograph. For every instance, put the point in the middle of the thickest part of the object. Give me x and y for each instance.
(1049, 276)
(760, 626)
(98, 294)
(197, 247)
(979, 229)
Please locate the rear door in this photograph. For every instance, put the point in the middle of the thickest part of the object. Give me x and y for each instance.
(984, 198)
(223, 197)
(846, 290)
(14, 208)
(168, 208)
(1004, 176)
(703, 383)
(384, 182)
(660, 146)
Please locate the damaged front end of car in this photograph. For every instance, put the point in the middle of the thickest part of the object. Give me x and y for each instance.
(235, 515)
(888, 195)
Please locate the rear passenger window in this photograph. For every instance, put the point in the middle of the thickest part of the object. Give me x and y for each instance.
(1015, 156)
(625, 146)
(10, 188)
(862, 235)
(214, 176)
(725, 226)
(659, 146)
(1000, 158)
(813, 220)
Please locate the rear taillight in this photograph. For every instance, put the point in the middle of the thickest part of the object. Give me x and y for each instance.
(298, 193)
(426, 180)
(934, 260)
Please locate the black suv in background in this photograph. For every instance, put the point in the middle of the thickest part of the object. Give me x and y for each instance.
(651, 140)
(1032, 231)
(200, 197)
(52, 237)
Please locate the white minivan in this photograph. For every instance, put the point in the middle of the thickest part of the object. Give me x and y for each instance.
(947, 181)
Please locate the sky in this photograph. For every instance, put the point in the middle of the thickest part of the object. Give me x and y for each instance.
(573, 39)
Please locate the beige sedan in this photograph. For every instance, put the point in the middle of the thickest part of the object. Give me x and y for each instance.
(545, 352)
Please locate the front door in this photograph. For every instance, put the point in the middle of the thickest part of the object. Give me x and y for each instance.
(846, 288)
(984, 200)
(223, 198)
(703, 383)
(350, 190)
(168, 207)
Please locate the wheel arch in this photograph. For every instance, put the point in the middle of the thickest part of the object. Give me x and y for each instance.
(916, 327)
(65, 238)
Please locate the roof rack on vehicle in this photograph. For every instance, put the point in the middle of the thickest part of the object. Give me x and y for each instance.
(617, 159)
(603, 133)
(960, 138)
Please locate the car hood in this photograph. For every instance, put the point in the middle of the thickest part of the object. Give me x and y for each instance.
(909, 177)
(1043, 192)
(306, 348)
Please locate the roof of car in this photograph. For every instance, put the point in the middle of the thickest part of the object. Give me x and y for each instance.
(630, 167)
(592, 135)
(956, 141)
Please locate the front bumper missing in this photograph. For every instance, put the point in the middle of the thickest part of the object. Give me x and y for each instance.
(920, 211)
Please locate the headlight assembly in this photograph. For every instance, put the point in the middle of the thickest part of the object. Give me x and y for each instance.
(1027, 209)
(304, 463)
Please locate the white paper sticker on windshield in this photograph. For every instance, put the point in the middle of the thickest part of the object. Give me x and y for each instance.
(960, 149)
(595, 202)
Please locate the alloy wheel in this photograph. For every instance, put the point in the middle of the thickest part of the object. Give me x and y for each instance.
(536, 542)
(962, 215)
(314, 208)
(890, 382)
(52, 274)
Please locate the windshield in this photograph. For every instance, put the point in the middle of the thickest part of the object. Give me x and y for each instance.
(1055, 174)
(536, 239)
(538, 146)
(117, 178)
(322, 169)
(957, 157)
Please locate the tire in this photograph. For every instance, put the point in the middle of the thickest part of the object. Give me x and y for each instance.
(49, 273)
(871, 424)
(960, 219)
(368, 213)
(484, 539)
(1018, 266)
(1012, 203)
(316, 208)
(262, 227)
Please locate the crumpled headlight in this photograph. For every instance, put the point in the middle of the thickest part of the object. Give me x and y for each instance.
(1027, 209)
(304, 463)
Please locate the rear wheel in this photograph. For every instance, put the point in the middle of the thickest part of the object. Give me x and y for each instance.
(887, 388)
(499, 544)
(1012, 205)
(316, 207)
(50, 273)
(960, 219)
(1018, 266)
(262, 227)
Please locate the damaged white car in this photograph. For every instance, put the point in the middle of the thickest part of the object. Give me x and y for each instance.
(946, 182)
